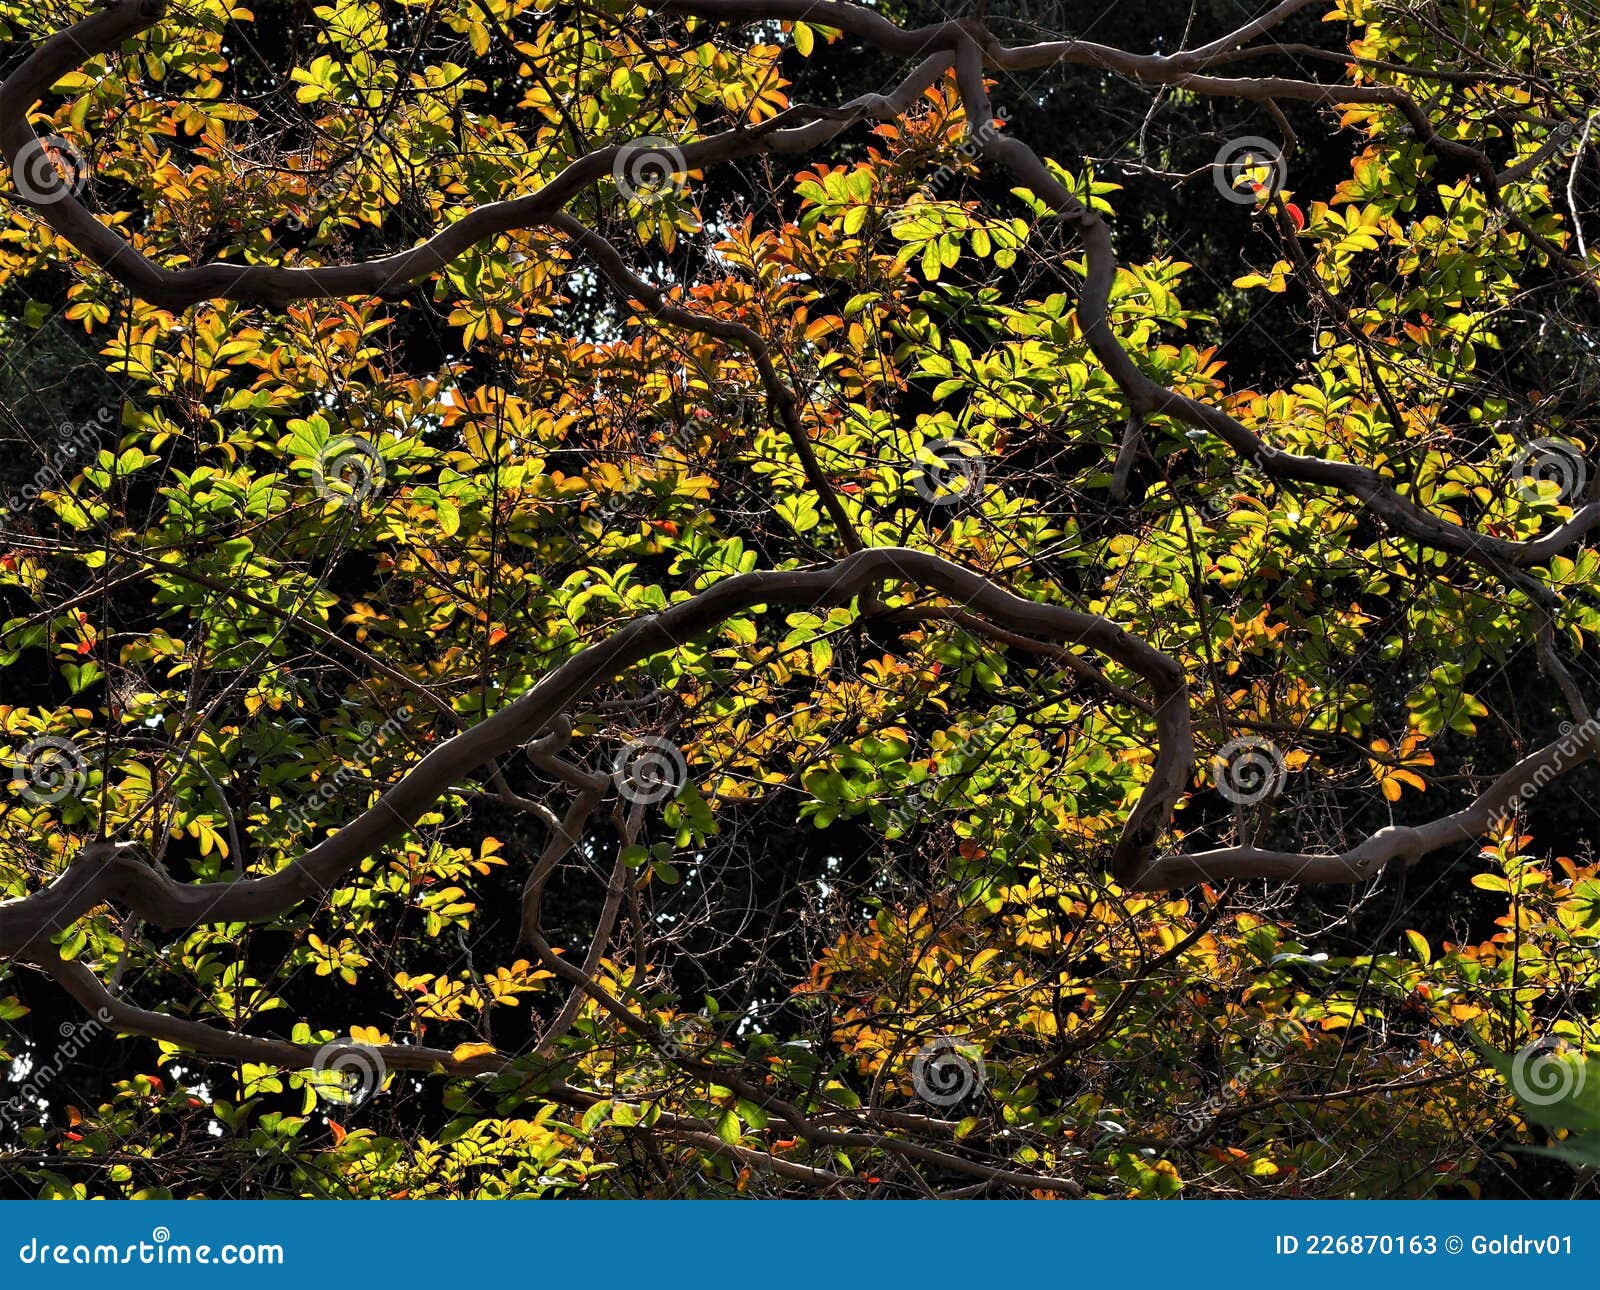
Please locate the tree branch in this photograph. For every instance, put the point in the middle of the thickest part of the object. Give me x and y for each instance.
(103, 873)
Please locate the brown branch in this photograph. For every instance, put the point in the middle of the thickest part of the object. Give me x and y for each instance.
(87, 990)
(605, 925)
(111, 872)
(105, 873)
(636, 290)
(1133, 447)
(85, 987)
(802, 1125)
(1148, 397)
(976, 49)
(1399, 843)
(797, 129)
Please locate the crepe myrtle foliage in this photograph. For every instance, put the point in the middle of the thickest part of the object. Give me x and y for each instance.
(655, 603)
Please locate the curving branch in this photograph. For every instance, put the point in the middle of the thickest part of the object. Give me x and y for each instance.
(977, 50)
(1398, 844)
(86, 988)
(974, 48)
(111, 873)
(804, 1126)
(1148, 397)
(796, 130)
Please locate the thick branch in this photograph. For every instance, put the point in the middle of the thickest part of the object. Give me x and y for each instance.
(1148, 397)
(1404, 844)
(104, 873)
(797, 130)
(85, 987)
(977, 49)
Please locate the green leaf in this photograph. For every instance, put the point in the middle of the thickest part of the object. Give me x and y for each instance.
(1558, 1089)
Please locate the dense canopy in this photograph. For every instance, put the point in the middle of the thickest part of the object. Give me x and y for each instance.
(794, 597)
